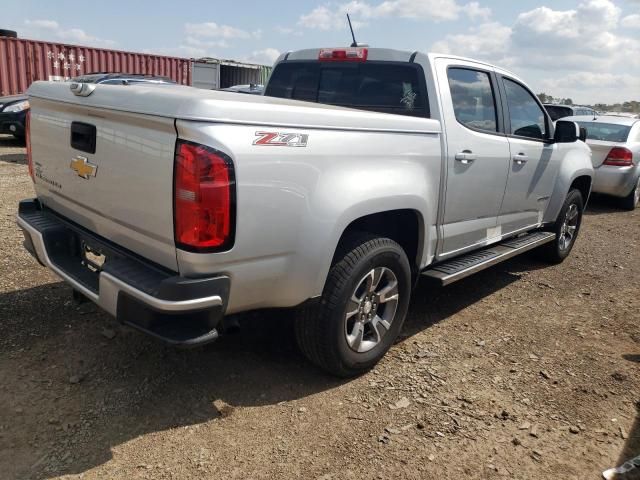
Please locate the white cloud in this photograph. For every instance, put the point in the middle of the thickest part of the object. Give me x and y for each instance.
(489, 40)
(580, 39)
(587, 80)
(198, 42)
(287, 31)
(568, 50)
(631, 21)
(266, 56)
(474, 11)
(326, 18)
(46, 24)
(206, 39)
(333, 16)
(52, 30)
(213, 30)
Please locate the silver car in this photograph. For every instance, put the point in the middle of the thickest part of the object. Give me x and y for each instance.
(615, 143)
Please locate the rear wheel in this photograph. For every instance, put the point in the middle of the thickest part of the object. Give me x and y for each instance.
(631, 201)
(566, 228)
(362, 308)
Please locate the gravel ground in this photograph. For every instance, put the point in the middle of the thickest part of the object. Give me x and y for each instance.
(523, 371)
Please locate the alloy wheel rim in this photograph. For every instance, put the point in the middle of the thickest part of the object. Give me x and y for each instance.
(371, 309)
(637, 193)
(569, 227)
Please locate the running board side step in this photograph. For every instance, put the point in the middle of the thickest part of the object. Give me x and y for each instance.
(461, 267)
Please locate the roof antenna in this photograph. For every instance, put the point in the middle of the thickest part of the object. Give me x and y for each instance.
(353, 35)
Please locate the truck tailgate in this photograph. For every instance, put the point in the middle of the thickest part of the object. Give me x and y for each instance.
(124, 190)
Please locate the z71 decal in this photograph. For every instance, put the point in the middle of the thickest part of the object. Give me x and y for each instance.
(277, 139)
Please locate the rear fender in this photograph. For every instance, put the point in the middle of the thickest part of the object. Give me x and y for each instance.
(405, 188)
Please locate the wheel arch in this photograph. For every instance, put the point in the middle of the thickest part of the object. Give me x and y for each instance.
(583, 184)
(576, 170)
(404, 226)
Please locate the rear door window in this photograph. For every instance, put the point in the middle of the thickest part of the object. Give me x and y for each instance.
(385, 87)
(473, 99)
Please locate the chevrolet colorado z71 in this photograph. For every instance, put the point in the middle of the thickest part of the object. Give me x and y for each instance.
(173, 207)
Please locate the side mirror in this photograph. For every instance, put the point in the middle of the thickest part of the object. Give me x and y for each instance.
(567, 132)
(583, 134)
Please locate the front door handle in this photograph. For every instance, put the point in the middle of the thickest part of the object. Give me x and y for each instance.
(520, 159)
(465, 156)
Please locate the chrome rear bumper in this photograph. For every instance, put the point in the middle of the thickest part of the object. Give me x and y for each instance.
(176, 309)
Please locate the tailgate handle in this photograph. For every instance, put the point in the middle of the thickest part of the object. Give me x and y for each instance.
(83, 137)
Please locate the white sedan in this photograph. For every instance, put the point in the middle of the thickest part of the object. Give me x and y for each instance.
(615, 143)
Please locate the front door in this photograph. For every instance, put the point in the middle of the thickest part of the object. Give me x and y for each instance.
(477, 157)
(535, 160)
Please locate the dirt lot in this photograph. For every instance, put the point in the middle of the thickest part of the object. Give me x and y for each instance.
(523, 371)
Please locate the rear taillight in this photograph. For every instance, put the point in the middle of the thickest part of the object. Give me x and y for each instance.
(204, 196)
(619, 157)
(343, 54)
(27, 138)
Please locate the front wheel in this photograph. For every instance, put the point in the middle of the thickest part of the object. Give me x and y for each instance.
(362, 308)
(566, 228)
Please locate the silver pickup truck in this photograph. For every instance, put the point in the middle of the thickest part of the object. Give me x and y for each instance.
(360, 171)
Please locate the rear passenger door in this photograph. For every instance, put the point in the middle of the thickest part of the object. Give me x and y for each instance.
(477, 156)
(534, 162)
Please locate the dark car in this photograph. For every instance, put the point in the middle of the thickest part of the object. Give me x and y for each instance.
(13, 109)
(13, 115)
(252, 89)
(556, 111)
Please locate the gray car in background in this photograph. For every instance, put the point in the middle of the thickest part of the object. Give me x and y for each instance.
(615, 143)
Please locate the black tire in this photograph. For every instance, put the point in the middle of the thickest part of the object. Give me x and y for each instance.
(321, 328)
(631, 201)
(556, 251)
(8, 33)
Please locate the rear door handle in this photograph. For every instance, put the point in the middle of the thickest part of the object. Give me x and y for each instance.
(520, 159)
(466, 157)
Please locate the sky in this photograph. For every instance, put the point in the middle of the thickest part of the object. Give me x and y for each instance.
(587, 50)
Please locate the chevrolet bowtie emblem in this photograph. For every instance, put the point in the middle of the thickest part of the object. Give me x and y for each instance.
(83, 168)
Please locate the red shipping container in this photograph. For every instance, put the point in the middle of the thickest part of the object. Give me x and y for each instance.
(24, 61)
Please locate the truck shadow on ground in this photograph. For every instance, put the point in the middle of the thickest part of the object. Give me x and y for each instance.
(11, 142)
(71, 394)
(16, 158)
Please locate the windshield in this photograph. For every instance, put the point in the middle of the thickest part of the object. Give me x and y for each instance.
(607, 132)
(556, 112)
(385, 87)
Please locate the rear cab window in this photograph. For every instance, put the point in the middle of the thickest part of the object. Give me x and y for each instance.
(386, 87)
(606, 132)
